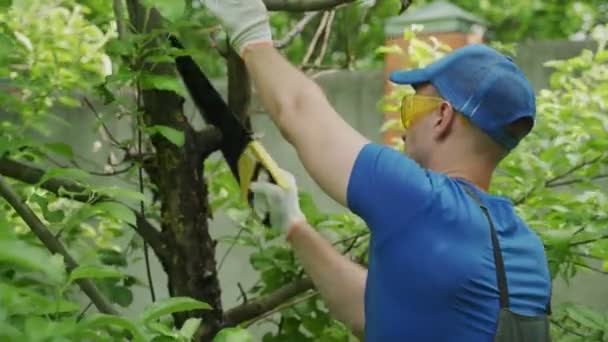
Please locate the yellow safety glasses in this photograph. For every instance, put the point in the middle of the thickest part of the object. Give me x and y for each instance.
(415, 106)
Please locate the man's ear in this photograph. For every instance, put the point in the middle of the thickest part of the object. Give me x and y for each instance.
(443, 120)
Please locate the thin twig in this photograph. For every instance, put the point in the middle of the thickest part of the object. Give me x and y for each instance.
(327, 30)
(584, 242)
(559, 325)
(238, 234)
(243, 293)
(577, 180)
(351, 246)
(103, 124)
(550, 182)
(53, 245)
(296, 30)
(590, 268)
(113, 173)
(140, 125)
(315, 39)
(357, 236)
(303, 5)
(84, 311)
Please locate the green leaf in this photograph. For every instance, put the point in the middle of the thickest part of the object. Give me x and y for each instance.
(111, 257)
(67, 173)
(233, 335)
(121, 295)
(32, 258)
(54, 216)
(61, 149)
(94, 272)
(393, 49)
(120, 193)
(116, 210)
(98, 320)
(190, 327)
(171, 305)
(5, 4)
(587, 317)
(171, 134)
(69, 101)
(162, 82)
(163, 329)
(27, 301)
(171, 10)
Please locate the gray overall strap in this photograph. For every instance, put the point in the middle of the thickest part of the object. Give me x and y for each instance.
(501, 276)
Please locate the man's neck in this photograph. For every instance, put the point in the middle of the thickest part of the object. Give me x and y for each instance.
(478, 173)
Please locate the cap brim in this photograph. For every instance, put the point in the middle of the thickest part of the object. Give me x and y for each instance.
(414, 76)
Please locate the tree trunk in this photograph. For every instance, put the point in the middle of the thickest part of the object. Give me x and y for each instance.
(178, 175)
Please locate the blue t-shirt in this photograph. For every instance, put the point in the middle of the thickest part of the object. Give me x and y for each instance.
(431, 273)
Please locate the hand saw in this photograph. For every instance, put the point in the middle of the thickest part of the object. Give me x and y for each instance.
(245, 156)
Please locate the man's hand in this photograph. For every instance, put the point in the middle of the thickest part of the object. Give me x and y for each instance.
(283, 204)
(245, 21)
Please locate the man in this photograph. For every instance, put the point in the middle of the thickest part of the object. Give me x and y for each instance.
(431, 273)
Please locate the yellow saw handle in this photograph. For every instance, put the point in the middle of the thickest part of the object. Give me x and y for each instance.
(253, 153)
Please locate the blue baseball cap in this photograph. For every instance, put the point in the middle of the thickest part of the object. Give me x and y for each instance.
(483, 85)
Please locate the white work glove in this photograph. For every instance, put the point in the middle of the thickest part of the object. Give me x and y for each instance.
(245, 21)
(282, 204)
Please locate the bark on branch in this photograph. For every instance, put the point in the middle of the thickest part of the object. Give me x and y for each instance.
(303, 5)
(259, 306)
(53, 245)
(32, 175)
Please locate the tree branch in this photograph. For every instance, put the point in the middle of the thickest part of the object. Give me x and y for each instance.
(53, 245)
(103, 124)
(208, 141)
(32, 175)
(553, 182)
(315, 38)
(117, 5)
(258, 306)
(282, 307)
(584, 242)
(550, 182)
(576, 180)
(303, 5)
(296, 30)
(566, 329)
(591, 268)
(326, 36)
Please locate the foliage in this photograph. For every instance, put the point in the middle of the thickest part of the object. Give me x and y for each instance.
(56, 54)
(514, 21)
(52, 53)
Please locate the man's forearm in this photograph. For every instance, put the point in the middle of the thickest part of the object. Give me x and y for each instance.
(340, 281)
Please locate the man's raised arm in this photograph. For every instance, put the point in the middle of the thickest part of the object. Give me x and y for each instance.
(325, 143)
